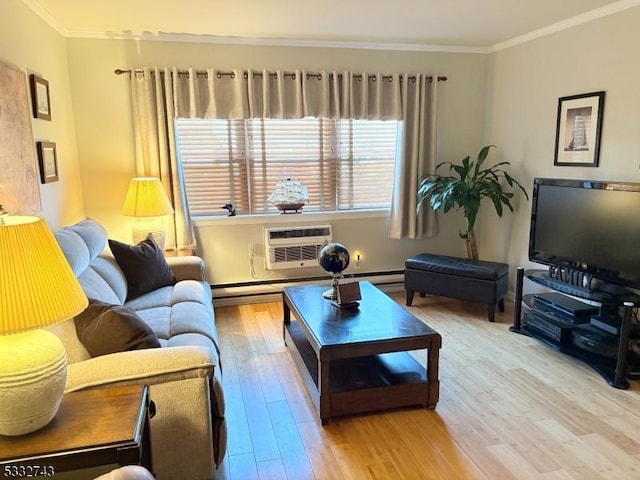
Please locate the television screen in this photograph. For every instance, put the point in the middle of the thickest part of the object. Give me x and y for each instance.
(592, 227)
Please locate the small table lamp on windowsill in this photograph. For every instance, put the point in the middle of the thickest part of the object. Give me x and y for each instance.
(37, 289)
(147, 201)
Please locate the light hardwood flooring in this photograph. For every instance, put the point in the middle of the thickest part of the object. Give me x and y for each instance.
(510, 408)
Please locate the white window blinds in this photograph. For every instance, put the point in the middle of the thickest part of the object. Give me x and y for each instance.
(344, 164)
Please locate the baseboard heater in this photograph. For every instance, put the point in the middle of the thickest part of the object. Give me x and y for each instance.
(270, 290)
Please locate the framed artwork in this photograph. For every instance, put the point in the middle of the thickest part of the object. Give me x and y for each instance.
(19, 184)
(578, 130)
(48, 162)
(40, 97)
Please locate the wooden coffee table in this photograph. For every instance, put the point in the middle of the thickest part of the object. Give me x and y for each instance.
(92, 428)
(357, 360)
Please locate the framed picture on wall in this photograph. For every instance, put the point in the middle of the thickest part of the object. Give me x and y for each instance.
(48, 161)
(40, 97)
(578, 130)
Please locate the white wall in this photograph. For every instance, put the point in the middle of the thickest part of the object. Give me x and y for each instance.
(105, 143)
(27, 42)
(525, 84)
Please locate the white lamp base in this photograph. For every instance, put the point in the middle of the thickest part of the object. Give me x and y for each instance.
(143, 226)
(33, 373)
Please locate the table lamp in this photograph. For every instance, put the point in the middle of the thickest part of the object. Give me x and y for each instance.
(147, 201)
(37, 289)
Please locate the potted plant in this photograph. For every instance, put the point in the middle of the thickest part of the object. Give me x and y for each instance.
(466, 189)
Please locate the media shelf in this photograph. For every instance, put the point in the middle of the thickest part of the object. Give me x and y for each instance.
(565, 324)
(605, 294)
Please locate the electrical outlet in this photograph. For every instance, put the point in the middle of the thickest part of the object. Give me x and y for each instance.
(252, 248)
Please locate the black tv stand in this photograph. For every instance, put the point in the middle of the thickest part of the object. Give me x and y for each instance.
(606, 353)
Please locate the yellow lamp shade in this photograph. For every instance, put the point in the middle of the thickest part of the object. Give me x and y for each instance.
(146, 198)
(37, 286)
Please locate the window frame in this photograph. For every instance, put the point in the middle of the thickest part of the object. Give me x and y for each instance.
(246, 151)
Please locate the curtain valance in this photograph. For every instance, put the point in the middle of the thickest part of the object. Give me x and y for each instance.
(242, 94)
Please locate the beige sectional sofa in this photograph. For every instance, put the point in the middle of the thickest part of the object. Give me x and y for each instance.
(188, 432)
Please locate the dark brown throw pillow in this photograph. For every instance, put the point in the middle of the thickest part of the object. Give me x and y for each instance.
(143, 265)
(104, 329)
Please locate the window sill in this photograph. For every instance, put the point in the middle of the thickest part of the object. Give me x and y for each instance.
(275, 218)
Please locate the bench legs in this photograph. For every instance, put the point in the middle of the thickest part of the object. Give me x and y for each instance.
(409, 297)
(492, 310)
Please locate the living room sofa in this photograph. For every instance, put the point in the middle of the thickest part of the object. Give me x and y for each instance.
(188, 431)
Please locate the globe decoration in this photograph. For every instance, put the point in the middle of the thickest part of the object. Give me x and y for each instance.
(334, 258)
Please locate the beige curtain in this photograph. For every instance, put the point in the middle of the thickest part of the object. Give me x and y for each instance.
(416, 158)
(153, 105)
(240, 94)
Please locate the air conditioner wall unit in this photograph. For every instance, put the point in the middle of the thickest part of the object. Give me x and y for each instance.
(294, 247)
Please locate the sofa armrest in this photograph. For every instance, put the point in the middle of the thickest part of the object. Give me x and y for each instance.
(187, 267)
(150, 366)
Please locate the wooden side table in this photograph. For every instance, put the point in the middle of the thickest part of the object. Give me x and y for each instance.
(92, 428)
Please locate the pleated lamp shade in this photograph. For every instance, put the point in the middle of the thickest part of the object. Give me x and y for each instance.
(37, 289)
(146, 198)
(37, 286)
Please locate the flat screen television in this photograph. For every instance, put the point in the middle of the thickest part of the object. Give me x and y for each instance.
(589, 229)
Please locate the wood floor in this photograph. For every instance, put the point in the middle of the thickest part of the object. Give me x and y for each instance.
(510, 408)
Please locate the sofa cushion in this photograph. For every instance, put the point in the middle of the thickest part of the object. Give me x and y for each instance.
(93, 234)
(143, 265)
(97, 287)
(177, 311)
(105, 329)
(74, 249)
(100, 277)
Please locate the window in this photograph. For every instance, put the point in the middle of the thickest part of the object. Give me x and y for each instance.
(345, 164)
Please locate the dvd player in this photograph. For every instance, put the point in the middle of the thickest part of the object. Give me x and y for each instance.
(549, 326)
(561, 318)
(570, 307)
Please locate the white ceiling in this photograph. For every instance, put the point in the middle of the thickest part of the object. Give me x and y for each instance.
(478, 24)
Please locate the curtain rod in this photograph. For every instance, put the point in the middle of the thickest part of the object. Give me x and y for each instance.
(204, 73)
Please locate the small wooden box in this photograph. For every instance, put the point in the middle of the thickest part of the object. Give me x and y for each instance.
(348, 293)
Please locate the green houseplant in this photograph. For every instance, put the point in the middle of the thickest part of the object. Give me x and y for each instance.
(465, 189)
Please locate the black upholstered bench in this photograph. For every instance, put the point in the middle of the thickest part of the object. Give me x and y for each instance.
(462, 278)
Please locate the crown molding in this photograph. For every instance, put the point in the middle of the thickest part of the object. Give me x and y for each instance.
(274, 42)
(566, 24)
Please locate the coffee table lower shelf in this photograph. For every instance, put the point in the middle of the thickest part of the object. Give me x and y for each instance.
(360, 384)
